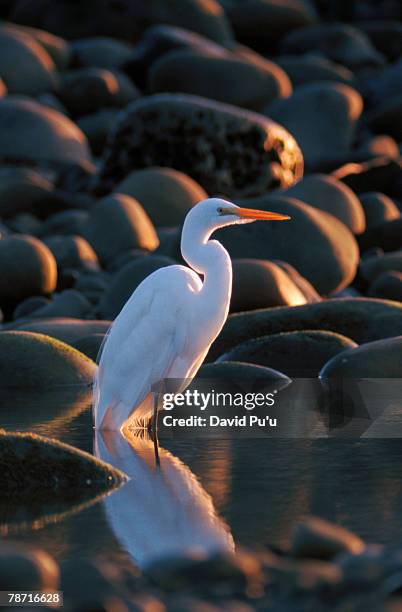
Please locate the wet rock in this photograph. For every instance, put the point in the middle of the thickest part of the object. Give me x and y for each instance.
(333, 109)
(387, 285)
(58, 48)
(386, 236)
(260, 284)
(100, 52)
(329, 240)
(27, 267)
(261, 24)
(360, 319)
(35, 360)
(298, 354)
(225, 149)
(379, 174)
(25, 568)
(318, 539)
(229, 79)
(66, 223)
(118, 223)
(72, 252)
(32, 132)
(165, 194)
(379, 359)
(372, 267)
(44, 470)
(126, 281)
(339, 42)
(64, 329)
(90, 346)
(386, 117)
(21, 190)
(97, 127)
(29, 306)
(69, 303)
(378, 208)
(36, 71)
(125, 20)
(87, 90)
(310, 68)
(333, 196)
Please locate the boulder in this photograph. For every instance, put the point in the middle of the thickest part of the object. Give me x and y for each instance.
(378, 208)
(387, 285)
(386, 117)
(90, 346)
(372, 267)
(25, 567)
(58, 48)
(100, 52)
(22, 189)
(65, 329)
(68, 303)
(379, 359)
(386, 236)
(72, 252)
(310, 68)
(97, 126)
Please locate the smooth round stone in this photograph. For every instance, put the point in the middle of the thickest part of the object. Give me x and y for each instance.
(126, 281)
(25, 568)
(259, 284)
(165, 194)
(339, 42)
(25, 223)
(92, 285)
(379, 146)
(69, 303)
(228, 79)
(239, 153)
(307, 289)
(387, 285)
(361, 319)
(329, 242)
(64, 329)
(100, 52)
(332, 108)
(303, 69)
(72, 252)
(97, 127)
(379, 359)
(372, 267)
(118, 223)
(237, 371)
(27, 267)
(386, 235)
(379, 174)
(261, 24)
(21, 190)
(316, 538)
(126, 20)
(386, 117)
(66, 223)
(384, 85)
(58, 48)
(386, 36)
(87, 90)
(378, 208)
(32, 132)
(298, 354)
(334, 197)
(29, 306)
(3, 89)
(33, 360)
(25, 66)
(57, 472)
(90, 345)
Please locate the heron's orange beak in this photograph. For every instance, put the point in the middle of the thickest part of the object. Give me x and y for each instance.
(262, 215)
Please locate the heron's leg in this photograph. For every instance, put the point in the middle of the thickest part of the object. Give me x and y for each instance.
(155, 428)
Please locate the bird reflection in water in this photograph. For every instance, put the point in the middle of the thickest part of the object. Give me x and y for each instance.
(163, 511)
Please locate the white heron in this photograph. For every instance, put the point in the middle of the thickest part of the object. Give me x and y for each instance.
(165, 329)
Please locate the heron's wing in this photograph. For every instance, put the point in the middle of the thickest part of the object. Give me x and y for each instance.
(149, 341)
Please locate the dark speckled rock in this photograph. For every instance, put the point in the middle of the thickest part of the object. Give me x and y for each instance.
(226, 150)
(299, 354)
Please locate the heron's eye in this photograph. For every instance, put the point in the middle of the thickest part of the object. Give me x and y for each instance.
(220, 211)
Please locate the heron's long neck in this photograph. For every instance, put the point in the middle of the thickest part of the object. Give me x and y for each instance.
(209, 258)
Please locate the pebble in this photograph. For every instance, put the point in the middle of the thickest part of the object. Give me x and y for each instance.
(378, 208)
(66, 223)
(262, 24)
(118, 223)
(379, 359)
(90, 346)
(333, 109)
(310, 68)
(387, 285)
(65, 329)
(100, 52)
(68, 303)
(331, 195)
(298, 354)
(259, 284)
(32, 360)
(371, 267)
(379, 174)
(32, 132)
(97, 126)
(229, 79)
(25, 223)
(126, 281)
(29, 306)
(24, 567)
(165, 194)
(361, 319)
(225, 149)
(330, 242)
(27, 267)
(58, 48)
(36, 71)
(21, 190)
(316, 538)
(338, 42)
(72, 252)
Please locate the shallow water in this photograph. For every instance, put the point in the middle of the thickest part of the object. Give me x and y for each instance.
(250, 491)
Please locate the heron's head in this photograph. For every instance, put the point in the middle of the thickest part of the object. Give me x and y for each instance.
(215, 213)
